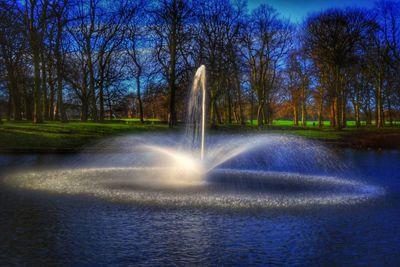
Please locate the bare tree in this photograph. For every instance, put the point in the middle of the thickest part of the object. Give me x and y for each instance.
(12, 50)
(267, 43)
(35, 15)
(299, 75)
(137, 48)
(169, 25)
(59, 10)
(217, 41)
(332, 41)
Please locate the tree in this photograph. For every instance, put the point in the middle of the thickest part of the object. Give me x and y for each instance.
(267, 42)
(35, 15)
(111, 34)
(218, 45)
(332, 40)
(83, 30)
(170, 21)
(136, 48)
(387, 15)
(59, 11)
(12, 50)
(299, 75)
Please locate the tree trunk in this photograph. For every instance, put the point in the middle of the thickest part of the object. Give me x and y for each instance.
(303, 113)
(229, 108)
(28, 104)
(319, 115)
(61, 114)
(343, 106)
(338, 100)
(37, 94)
(390, 111)
(60, 103)
(172, 69)
(378, 106)
(102, 66)
(171, 90)
(109, 105)
(15, 103)
(9, 107)
(268, 114)
(357, 112)
(333, 112)
(92, 89)
(85, 110)
(252, 108)
(320, 110)
(338, 125)
(44, 87)
(295, 115)
(101, 100)
(239, 96)
(368, 115)
(139, 98)
(52, 93)
(260, 115)
(212, 109)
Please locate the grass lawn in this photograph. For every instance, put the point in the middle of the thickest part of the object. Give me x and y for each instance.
(58, 137)
(72, 136)
(350, 123)
(327, 133)
(348, 134)
(363, 137)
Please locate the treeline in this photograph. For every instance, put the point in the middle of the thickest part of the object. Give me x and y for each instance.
(100, 59)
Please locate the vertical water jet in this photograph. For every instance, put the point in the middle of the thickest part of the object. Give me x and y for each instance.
(196, 121)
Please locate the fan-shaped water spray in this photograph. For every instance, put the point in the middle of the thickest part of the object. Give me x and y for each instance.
(262, 171)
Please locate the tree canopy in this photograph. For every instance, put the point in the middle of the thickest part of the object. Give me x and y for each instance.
(100, 59)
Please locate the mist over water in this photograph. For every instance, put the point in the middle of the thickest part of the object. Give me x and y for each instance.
(252, 171)
(101, 206)
(192, 170)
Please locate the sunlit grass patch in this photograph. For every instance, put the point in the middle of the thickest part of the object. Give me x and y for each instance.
(63, 136)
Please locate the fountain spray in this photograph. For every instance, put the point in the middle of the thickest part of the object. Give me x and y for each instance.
(195, 103)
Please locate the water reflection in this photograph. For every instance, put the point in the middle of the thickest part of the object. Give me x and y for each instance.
(51, 229)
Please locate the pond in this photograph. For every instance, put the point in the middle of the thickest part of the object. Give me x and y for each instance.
(39, 226)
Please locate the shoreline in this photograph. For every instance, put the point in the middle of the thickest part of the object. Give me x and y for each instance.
(380, 144)
(76, 137)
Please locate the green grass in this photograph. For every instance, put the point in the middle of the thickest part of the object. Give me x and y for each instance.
(325, 133)
(350, 123)
(289, 123)
(56, 136)
(318, 134)
(135, 120)
(312, 133)
(72, 136)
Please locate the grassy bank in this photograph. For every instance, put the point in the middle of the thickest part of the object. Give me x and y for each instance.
(64, 137)
(363, 137)
(73, 136)
(289, 123)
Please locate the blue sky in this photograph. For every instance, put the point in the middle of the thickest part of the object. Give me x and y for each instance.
(297, 9)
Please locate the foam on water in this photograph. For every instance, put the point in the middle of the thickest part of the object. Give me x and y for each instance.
(143, 186)
(254, 171)
(220, 171)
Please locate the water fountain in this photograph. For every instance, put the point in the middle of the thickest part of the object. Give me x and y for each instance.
(198, 101)
(251, 171)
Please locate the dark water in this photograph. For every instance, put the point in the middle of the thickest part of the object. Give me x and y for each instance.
(51, 229)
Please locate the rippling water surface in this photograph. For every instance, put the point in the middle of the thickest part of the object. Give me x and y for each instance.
(46, 220)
